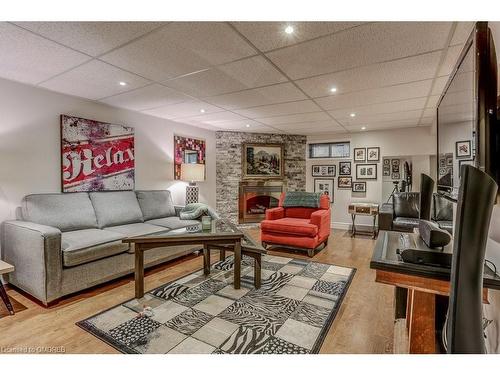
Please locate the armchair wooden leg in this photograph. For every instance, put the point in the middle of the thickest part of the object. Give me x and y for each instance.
(310, 253)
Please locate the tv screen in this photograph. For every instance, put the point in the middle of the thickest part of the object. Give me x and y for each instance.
(466, 114)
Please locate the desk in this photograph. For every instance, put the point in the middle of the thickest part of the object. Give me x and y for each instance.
(422, 284)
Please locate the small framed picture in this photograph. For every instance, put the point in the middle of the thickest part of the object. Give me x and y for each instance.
(359, 155)
(463, 149)
(464, 162)
(324, 186)
(345, 168)
(442, 162)
(324, 170)
(373, 154)
(344, 182)
(359, 187)
(396, 176)
(387, 161)
(449, 160)
(366, 171)
(386, 171)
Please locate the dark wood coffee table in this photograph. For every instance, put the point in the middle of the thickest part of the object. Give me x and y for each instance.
(222, 232)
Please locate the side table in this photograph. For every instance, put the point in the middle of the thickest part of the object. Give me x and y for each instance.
(5, 268)
(364, 209)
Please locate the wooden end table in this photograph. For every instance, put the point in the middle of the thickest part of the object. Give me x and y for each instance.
(6, 268)
(364, 209)
(221, 232)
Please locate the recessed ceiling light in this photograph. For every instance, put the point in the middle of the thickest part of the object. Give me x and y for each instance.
(121, 83)
(333, 89)
(363, 128)
(352, 115)
(247, 125)
(289, 29)
(202, 110)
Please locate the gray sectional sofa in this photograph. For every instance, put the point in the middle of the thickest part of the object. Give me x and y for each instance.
(64, 243)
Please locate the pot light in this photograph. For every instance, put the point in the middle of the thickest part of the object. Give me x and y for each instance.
(363, 128)
(202, 110)
(121, 83)
(333, 89)
(352, 115)
(289, 29)
(247, 125)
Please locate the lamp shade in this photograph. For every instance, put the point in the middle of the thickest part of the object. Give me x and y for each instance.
(193, 172)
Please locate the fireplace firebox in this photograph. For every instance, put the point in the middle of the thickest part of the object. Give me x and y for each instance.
(255, 197)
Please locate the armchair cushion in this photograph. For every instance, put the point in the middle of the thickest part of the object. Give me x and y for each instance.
(321, 219)
(405, 224)
(406, 205)
(275, 213)
(288, 225)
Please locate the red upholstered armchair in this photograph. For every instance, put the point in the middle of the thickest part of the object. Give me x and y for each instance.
(298, 227)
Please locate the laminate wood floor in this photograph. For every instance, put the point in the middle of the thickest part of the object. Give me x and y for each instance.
(364, 324)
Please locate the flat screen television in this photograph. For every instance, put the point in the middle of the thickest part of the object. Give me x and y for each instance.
(467, 126)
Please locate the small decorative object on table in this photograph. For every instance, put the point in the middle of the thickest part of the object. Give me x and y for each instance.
(5, 268)
(192, 173)
(364, 209)
(206, 222)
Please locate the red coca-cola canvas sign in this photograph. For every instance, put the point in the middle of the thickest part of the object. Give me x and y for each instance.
(96, 156)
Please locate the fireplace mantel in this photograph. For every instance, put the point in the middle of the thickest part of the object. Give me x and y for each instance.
(255, 196)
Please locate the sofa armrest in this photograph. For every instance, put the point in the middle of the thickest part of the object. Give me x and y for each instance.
(35, 252)
(322, 218)
(275, 213)
(385, 217)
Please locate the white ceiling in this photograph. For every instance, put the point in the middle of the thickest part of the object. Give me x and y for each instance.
(247, 76)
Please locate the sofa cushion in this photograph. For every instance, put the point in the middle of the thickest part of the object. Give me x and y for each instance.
(288, 225)
(406, 205)
(116, 208)
(445, 225)
(405, 224)
(173, 222)
(442, 208)
(155, 204)
(87, 245)
(67, 212)
(136, 229)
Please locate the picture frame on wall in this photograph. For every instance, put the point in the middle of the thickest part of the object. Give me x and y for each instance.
(373, 154)
(324, 170)
(359, 187)
(396, 176)
(262, 160)
(387, 161)
(344, 182)
(449, 159)
(360, 155)
(344, 168)
(366, 171)
(463, 149)
(386, 171)
(324, 186)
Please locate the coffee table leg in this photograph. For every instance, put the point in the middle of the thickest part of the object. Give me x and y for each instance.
(353, 231)
(206, 259)
(139, 272)
(237, 264)
(5, 298)
(257, 273)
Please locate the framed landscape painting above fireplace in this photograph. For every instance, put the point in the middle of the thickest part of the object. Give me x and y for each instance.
(262, 161)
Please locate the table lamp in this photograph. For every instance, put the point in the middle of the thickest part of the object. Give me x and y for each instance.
(192, 173)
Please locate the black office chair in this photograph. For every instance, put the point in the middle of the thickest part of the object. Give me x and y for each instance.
(464, 330)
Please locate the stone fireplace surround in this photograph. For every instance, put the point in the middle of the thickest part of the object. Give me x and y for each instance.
(229, 173)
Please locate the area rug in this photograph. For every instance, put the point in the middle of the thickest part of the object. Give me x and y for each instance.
(291, 313)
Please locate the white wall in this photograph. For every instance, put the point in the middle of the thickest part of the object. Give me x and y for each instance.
(30, 144)
(420, 143)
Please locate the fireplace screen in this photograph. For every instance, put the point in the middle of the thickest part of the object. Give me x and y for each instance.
(255, 199)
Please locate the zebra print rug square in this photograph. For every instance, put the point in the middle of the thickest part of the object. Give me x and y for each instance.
(290, 314)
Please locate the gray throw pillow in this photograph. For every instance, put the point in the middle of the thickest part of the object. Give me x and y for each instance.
(155, 204)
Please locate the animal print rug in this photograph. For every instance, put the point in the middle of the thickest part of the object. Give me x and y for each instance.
(290, 313)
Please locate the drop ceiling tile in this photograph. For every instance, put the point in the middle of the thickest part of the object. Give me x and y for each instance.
(363, 45)
(180, 48)
(439, 85)
(29, 58)
(317, 131)
(239, 75)
(373, 96)
(301, 117)
(94, 80)
(241, 126)
(410, 69)
(152, 96)
(93, 38)
(181, 110)
(451, 58)
(290, 108)
(270, 35)
(284, 92)
(407, 123)
(462, 32)
(429, 112)
(330, 124)
(389, 107)
(380, 118)
(425, 121)
(433, 101)
(214, 118)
